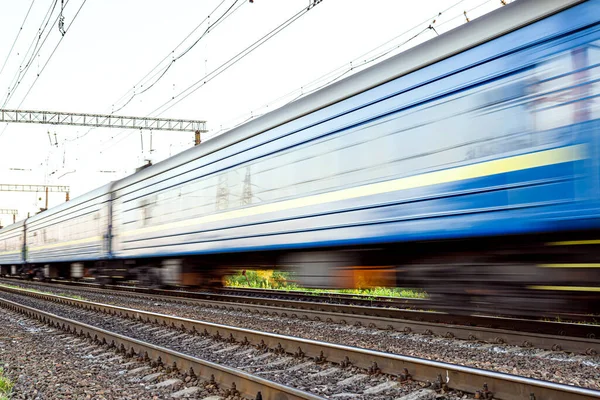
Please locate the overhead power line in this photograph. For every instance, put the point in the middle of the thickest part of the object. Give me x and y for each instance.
(233, 60)
(163, 71)
(17, 37)
(356, 64)
(36, 46)
(226, 65)
(53, 51)
(156, 70)
(169, 54)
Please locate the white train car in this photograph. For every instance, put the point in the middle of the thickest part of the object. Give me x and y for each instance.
(76, 231)
(12, 242)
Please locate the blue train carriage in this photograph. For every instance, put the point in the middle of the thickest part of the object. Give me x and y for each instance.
(487, 130)
(12, 245)
(468, 165)
(66, 240)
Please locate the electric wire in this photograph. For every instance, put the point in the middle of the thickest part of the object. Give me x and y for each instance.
(22, 72)
(34, 43)
(169, 54)
(358, 62)
(233, 60)
(225, 66)
(164, 71)
(17, 37)
(346, 68)
(52, 54)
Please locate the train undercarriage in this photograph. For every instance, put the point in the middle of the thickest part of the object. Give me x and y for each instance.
(541, 276)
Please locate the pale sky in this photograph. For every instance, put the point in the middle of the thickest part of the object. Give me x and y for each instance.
(113, 44)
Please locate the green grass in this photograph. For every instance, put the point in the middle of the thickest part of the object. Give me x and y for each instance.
(6, 386)
(72, 296)
(270, 279)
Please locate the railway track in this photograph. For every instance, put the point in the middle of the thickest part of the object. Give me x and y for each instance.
(249, 385)
(399, 370)
(379, 301)
(569, 337)
(393, 307)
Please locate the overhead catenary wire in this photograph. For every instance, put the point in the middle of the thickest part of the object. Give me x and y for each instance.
(170, 53)
(15, 83)
(53, 51)
(162, 72)
(233, 60)
(17, 37)
(226, 65)
(34, 44)
(354, 65)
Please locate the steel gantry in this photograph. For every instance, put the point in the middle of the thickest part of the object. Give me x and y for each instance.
(6, 211)
(102, 121)
(9, 187)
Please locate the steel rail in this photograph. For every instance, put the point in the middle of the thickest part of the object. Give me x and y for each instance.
(503, 386)
(571, 337)
(382, 301)
(360, 317)
(247, 384)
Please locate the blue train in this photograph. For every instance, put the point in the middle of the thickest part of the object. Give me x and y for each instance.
(468, 165)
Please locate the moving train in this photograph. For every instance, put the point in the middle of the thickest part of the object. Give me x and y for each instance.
(467, 166)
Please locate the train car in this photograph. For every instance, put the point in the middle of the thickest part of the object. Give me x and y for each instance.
(484, 131)
(65, 239)
(467, 165)
(12, 245)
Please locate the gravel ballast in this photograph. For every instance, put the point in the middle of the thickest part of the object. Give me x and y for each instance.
(321, 378)
(45, 363)
(554, 366)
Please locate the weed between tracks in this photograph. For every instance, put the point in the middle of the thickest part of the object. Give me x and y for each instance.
(72, 296)
(270, 279)
(6, 386)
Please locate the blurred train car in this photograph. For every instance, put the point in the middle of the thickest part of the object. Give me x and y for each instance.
(67, 238)
(467, 165)
(12, 245)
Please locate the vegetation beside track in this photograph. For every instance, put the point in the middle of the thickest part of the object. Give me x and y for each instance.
(72, 296)
(270, 279)
(6, 386)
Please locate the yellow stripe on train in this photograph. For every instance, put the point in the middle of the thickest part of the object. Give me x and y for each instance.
(2, 253)
(567, 288)
(582, 265)
(479, 170)
(574, 242)
(61, 244)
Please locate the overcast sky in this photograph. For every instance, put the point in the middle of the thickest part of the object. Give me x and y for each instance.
(112, 44)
